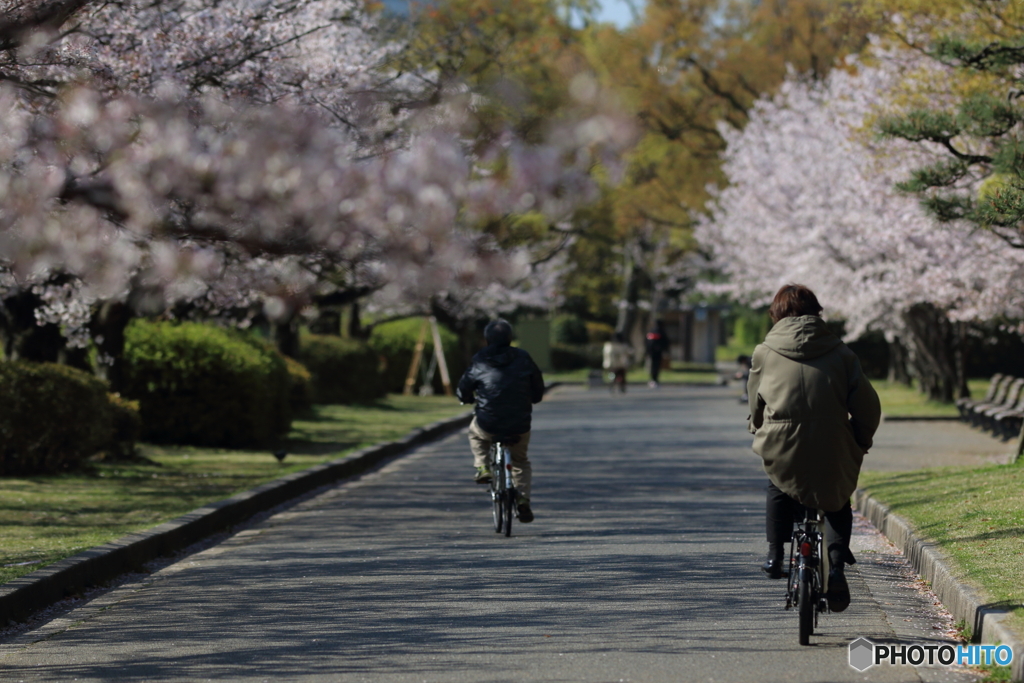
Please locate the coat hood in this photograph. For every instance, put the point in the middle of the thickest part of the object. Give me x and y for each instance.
(497, 356)
(801, 338)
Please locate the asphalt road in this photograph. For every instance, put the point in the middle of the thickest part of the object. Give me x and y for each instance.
(642, 565)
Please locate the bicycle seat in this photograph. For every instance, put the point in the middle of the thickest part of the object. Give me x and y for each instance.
(508, 439)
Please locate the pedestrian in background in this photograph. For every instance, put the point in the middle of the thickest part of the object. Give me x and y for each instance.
(657, 345)
(617, 356)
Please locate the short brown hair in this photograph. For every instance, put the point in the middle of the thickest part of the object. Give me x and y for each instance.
(792, 301)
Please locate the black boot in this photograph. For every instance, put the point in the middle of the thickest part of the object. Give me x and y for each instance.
(838, 595)
(773, 565)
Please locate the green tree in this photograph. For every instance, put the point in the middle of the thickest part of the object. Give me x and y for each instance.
(973, 118)
(981, 136)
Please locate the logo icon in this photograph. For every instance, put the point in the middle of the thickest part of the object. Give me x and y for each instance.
(862, 654)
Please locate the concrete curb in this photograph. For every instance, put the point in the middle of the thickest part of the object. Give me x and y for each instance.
(20, 598)
(987, 620)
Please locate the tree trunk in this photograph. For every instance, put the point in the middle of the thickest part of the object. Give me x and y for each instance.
(630, 297)
(898, 360)
(960, 358)
(355, 323)
(285, 334)
(107, 328)
(936, 353)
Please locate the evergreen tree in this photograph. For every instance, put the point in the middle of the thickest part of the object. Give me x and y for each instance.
(980, 136)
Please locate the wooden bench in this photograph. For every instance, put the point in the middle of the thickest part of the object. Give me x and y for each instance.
(973, 411)
(1002, 409)
(1008, 422)
(964, 405)
(984, 414)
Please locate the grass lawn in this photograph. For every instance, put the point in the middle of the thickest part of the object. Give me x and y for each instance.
(903, 401)
(734, 349)
(44, 519)
(974, 514)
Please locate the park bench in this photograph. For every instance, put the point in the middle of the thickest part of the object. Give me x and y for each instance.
(1005, 397)
(983, 413)
(964, 404)
(1008, 422)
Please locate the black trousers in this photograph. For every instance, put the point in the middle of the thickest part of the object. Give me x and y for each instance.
(655, 365)
(781, 510)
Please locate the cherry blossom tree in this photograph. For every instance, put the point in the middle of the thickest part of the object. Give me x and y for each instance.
(812, 199)
(224, 152)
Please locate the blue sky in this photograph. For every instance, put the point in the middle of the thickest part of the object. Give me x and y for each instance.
(616, 12)
(612, 11)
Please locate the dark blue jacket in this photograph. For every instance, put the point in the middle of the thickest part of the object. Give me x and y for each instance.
(504, 382)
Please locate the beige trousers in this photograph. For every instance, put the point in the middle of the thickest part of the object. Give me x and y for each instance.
(480, 443)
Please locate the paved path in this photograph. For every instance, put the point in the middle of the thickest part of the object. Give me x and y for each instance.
(642, 566)
(911, 445)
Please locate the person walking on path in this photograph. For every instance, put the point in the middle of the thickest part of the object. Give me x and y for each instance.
(657, 345)
(813, 415)
(504, 383)
(617, 356)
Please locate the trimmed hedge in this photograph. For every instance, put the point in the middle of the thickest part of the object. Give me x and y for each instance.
(395, 342)
(599, 333)
(569, 330)
(126, 424)
(343, 370)
(206, 386)
(52, 417)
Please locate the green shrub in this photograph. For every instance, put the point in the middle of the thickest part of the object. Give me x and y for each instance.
(395, 342)
(279, 381)
(599, 333)
(343, 370)
(51, 417)
(569, 329)
(751, 327)
(204, 385)
(126, 423)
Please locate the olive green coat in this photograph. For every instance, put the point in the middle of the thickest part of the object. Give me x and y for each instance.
(812, 412)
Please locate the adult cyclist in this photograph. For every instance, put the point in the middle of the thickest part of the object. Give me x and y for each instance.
(504, 383)
(813, 414)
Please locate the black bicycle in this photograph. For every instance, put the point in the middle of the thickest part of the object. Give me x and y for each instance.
(808, 573)
(503, 491)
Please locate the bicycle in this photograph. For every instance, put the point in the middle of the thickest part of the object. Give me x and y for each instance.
(503, 491)
(808, 573)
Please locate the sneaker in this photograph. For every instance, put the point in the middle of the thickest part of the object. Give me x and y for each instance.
(525, 513)
(482, 476)
(838, 595)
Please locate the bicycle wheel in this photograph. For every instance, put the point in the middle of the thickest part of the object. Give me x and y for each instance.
(498, 510)
(510, 501)
(497, 494)
(806, 600)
